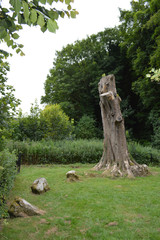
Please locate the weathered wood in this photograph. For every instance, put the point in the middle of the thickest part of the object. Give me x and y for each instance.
(115, 159)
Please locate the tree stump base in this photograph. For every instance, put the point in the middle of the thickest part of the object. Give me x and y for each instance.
(132, 171)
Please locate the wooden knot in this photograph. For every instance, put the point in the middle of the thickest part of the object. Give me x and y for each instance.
(119, 119)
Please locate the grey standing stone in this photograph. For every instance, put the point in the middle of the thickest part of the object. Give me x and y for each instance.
(39, 186)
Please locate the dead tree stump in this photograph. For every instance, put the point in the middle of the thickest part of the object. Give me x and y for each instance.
(115, 160)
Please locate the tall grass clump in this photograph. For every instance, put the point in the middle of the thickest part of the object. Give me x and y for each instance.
(76, 151)
(144, 154)
(63, 152)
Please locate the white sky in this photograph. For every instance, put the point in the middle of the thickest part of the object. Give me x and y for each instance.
(28, 74)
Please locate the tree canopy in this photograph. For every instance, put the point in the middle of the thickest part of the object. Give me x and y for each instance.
(72, 82)
(130, 52)
(140, 28)
(8, 103)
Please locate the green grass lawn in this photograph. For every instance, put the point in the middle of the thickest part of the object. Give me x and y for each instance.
(92, 208)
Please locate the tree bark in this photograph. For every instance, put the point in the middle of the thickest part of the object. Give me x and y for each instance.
(115, 159)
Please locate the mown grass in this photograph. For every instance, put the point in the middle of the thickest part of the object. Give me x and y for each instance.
(92, 208)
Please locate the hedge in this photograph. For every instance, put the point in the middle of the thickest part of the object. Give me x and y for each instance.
(82, 151)
(7, 175)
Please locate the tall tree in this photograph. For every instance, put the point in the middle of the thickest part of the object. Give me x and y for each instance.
(8, 103)
(72, 82)
(140, 28)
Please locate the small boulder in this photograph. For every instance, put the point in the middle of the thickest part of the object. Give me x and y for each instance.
(21, 208)
(72, 176)
(39, 186)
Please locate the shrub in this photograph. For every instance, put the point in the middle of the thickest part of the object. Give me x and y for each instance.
(156, 138)
(28, 126)
(7, 175)
(57, 122)
(82, 151)
(50, 123)
(154, 118)
(62, 152)
(144, 155)
(85, 128)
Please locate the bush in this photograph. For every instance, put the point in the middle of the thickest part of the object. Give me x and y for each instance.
(7, 175)
(144, 155)
(57, 123)
(62, 152)
(154, 119)
(156, 138)
(85, 128)
(82, 151)
(50, 123)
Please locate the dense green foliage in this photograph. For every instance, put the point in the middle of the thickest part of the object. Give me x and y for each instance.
(7, 176)
(58, 152)
(57, 124)
(49, 123)
(77, 151)
(94, 208)
(86, 128)
(144, 155)
(76, 71)
(140, 29)
(129, 51)
(28, 126)
(8, 103)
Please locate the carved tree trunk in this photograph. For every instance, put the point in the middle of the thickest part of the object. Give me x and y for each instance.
(115, 159)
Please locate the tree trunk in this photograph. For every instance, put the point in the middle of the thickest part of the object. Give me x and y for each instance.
(115, 159)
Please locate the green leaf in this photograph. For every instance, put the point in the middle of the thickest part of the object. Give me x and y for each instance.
(15, 36)
(73, 14)
(5, 10)
(18, 50)
(7, 38)
(14, 46)
(3, 33)
(33, 16)
(67, 13)
(69, 7)
(62, 14)
(10, 43)
(41, 21)
(17, 5)
(19, 18)
(53, 14)
(50, 1)
(52, 25)
(26, 11)
(43, 1)
(21, 45)
(67, 2)
(22, 54)
(44, 28)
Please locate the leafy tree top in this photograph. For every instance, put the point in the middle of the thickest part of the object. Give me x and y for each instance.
(32, 13)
